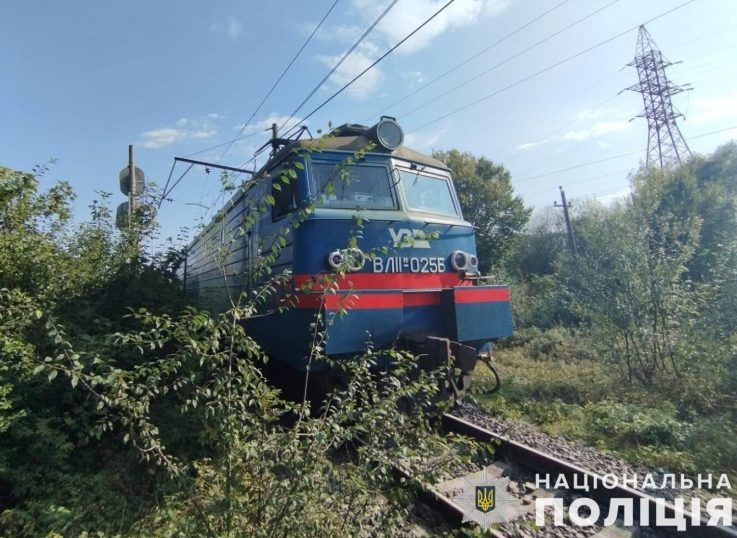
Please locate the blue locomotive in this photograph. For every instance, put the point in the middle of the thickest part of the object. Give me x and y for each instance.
(386, 222)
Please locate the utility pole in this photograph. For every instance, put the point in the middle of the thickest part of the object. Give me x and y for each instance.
(565, 205)
(665, 143)
(274, 135)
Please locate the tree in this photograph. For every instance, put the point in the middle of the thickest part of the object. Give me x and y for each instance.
(488, 202)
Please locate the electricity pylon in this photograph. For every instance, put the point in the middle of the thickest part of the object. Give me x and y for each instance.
(665, 143)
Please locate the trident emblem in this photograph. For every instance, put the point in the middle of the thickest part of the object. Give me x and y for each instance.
(485, 498)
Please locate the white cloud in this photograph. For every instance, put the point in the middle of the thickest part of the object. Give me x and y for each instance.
(158, 138)
(415, 78)
(425, 141)
(530, 145)
(233, 28)
(354, 64)
(588, 123)
(406, 16)
(402, 19)
(182, 129)
(589, 114)
(712, 108)
(202, 133)
(600, 128)
(344, 33)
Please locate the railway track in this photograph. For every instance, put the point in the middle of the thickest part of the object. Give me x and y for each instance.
(442, 498)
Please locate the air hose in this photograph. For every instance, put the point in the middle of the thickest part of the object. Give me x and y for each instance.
(486, 359)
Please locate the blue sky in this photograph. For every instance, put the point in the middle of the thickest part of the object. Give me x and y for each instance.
(82, 80)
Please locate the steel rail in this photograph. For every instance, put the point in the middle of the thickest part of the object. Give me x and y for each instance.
(542, 462)
(442, 505)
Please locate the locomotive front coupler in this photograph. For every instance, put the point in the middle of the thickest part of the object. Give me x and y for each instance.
(457, 359)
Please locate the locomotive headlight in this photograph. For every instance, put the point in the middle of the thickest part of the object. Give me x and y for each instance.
(352, 259)
(462, 261)
(459, 260)
(355, 259)
(335, 259)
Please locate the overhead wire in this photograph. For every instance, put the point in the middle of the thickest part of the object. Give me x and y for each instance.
(379, 59)
(473, 57)
(550, 67)
(510, 58)
(338, 64)
(580, 181)
(577, 166)
(279, 79)
(239, 136)
(613, 157)
(222, 144)
(167, 193)
(685, 63)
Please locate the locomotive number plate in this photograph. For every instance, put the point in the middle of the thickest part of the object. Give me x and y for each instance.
(402, 264)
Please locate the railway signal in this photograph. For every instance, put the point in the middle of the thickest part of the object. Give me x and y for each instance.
(132, 183)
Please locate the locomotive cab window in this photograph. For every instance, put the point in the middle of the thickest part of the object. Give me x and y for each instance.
(284, 196)
(428, 194)
(365, 186)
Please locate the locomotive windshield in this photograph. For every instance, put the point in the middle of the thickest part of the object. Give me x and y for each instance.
(364, 186)
(428, 194)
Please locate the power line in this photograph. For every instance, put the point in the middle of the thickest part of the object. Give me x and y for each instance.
(236, 139)
(599, 194)
(549, 68)
(713, 132)
(471, 58)
(238, 136)
(530, 178)
(278, 80)
(342, 59)
(560, 127)
(704, 36)
(380, 58)
(713, 82)
(578, 182)
(166, 192)
(589, 163)
(609, 191)
(509, 59)
(588, 91)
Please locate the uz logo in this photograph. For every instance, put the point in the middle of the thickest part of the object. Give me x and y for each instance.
(404, 238)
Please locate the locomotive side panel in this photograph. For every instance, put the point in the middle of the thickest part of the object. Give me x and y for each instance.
(219, 259)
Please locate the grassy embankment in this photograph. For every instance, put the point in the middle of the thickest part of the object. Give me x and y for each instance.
(551, 380)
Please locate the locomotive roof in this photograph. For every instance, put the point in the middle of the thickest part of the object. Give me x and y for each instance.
(350, 144)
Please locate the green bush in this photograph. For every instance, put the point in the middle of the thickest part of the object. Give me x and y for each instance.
(634, 424)
(147, 417)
